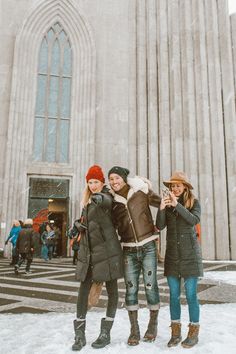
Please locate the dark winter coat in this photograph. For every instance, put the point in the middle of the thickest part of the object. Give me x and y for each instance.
(24, 242)
(132, 216)
(183, 253)
(99, 245)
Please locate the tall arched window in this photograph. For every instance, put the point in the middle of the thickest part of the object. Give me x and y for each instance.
(52, 113)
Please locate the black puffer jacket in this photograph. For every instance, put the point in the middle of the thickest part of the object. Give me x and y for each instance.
(183, 253)
(99, 244)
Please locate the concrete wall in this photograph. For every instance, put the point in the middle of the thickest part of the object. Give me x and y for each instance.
(153, 89)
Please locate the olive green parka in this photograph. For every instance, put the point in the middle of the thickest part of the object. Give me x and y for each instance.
(183, 252)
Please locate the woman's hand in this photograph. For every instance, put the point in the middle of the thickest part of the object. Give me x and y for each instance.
(172, 200)
(165, 202)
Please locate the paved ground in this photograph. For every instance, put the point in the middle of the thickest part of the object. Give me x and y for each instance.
(51, 287)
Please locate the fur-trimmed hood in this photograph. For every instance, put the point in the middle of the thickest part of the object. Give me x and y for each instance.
(136, 184)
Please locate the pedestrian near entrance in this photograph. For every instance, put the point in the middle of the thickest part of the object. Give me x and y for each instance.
(180, 212)
(14, 233)
(24, 246)
(133, 220)
(48, 241)
(99, 257)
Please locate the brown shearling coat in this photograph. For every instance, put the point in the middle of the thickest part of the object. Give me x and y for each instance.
(132, 216)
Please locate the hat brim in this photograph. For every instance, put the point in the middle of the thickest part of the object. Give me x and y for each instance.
(167, 183)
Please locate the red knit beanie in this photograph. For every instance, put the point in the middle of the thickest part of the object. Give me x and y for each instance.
(95, 172)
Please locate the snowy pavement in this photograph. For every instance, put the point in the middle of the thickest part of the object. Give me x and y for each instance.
(37, 312)
(52, 333)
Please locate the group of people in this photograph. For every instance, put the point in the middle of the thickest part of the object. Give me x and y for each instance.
(22, 238)
(118, 239)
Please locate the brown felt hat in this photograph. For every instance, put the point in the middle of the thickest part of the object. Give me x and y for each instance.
(178, 177)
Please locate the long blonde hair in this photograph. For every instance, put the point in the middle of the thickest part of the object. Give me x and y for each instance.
(86, 196)
(188, 197)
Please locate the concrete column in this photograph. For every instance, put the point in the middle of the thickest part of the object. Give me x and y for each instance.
(221, 221)
(228, 105)
(132, 126)
(176, 109)
(203, 131)
(142, 128)
(152, 114)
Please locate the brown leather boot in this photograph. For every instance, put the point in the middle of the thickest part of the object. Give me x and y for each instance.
(151, 331)
(192, 337)
(134, 337)
(175, 334)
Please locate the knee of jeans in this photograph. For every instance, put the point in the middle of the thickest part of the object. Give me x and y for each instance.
(131, 287)
(191, 297)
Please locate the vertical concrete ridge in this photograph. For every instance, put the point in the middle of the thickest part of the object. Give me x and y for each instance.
(228, 105)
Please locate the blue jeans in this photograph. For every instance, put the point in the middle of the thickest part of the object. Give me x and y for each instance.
(137, 259)
(190, 284)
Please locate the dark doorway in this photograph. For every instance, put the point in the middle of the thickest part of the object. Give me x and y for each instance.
(49, 201)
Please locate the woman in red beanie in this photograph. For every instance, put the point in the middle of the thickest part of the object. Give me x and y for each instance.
(99, 258)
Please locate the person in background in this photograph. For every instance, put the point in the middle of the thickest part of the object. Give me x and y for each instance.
(24, 246)
(132, 217)
(47, 239)
(14, 233)
(99, 257)
(180, 212)
(57, 240)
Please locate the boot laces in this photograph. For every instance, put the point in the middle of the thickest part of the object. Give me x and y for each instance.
(193, 330)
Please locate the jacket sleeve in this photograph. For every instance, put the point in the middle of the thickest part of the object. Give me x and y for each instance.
(161, 219)
(154, 199)
(32, 239)
(102, 199)
(18, 241)
(191, 216)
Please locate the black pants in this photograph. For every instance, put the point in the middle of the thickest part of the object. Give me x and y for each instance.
(82, 300)
(75, 256)
(25, 256)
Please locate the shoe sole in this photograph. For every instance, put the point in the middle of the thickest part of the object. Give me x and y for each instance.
(99, 347)
(188, 346)
(147, 340)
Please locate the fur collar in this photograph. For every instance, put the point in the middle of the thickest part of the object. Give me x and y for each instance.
(136, 184)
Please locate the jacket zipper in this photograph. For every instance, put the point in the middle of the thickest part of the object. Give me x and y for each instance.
(131, 222)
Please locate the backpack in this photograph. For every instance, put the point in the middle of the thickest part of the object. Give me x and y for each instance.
(198, 232)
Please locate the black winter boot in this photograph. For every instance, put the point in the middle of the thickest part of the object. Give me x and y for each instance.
(104, 336)
(175, 334)
(134, 337)
(80, 340)
(192, 337)
(151, 331)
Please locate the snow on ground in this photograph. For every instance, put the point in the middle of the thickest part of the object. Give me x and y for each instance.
(52, 333)
(228, 277)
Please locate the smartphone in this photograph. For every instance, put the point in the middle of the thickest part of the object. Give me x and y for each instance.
(165, 193)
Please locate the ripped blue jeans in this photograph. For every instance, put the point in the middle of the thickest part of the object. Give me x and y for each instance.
(136, 260)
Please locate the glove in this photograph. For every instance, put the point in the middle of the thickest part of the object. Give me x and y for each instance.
(97, 198)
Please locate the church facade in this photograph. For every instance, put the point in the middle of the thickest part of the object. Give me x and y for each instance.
(145, 84)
